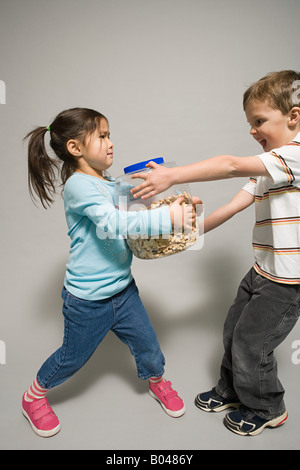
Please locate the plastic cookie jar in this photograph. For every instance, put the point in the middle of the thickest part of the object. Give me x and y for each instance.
(157, 246)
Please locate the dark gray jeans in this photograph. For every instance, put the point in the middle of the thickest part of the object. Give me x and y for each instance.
(261, 317)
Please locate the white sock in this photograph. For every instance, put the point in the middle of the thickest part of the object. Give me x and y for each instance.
(35, 392)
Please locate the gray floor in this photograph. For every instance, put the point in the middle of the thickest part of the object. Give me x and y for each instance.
(105, 406)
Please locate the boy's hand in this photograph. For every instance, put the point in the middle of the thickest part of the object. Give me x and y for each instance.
(157, 181)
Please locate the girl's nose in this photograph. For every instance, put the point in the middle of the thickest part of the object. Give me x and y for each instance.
(252, 130)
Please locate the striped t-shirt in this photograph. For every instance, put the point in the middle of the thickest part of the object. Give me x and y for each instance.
(276, 234)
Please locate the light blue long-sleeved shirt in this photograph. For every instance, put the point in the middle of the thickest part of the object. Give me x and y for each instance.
(99, 264)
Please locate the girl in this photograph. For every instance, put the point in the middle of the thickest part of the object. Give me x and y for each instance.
(99, 291)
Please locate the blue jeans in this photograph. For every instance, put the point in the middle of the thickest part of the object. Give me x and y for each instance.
(261, 317)
(85, 325)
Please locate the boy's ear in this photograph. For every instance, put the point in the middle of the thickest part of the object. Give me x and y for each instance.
(294, 116)
(74, 147)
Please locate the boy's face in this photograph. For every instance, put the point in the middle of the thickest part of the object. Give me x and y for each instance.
(269, 126)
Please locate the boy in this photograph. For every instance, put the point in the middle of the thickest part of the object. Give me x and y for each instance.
(267, 305)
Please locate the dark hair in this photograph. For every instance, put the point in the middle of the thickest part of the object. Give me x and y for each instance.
(43, 170)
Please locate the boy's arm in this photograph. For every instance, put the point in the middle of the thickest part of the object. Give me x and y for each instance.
(241, 201)
(216, 168)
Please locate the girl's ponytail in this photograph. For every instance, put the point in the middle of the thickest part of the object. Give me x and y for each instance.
(42, 169)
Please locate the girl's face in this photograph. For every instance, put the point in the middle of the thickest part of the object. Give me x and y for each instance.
(97, 152)
(269, 127)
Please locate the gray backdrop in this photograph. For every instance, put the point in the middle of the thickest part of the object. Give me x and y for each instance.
(170, 76)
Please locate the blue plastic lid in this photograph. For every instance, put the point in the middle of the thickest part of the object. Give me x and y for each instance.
(142, 165)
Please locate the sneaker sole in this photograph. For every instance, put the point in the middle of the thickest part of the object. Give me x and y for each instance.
(39, 432)
(274, 423)
(217, 409)
(173, 414)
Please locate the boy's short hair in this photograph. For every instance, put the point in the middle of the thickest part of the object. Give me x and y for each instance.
(277, 88)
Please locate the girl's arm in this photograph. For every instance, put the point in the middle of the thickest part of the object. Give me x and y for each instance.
(241, 201)
(216, 168)
(83, 197)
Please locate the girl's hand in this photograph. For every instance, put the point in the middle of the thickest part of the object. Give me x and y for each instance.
(157, 181)
(183, 216)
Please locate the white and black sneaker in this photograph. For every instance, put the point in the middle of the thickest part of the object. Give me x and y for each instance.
(212, 401)
(247, 423)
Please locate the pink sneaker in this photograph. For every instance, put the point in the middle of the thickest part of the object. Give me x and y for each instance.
(40, 415)
(167, 397)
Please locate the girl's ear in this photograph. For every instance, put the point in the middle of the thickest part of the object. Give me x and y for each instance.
(294, 116)
(74, 147)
